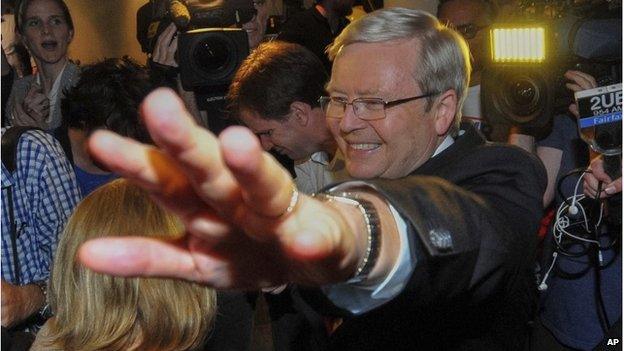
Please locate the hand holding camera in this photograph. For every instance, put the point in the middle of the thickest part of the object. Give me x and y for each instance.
(166, 47)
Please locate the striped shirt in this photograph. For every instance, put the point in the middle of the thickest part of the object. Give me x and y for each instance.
(44, 193)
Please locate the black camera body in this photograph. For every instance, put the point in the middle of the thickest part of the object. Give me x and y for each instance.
(154, 17)
(210, 56)
(209, 48)
(530, 94)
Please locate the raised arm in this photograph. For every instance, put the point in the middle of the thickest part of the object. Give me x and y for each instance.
(245, 225)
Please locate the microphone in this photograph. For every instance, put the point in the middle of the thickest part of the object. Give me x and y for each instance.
(613, 167)
(179, 14)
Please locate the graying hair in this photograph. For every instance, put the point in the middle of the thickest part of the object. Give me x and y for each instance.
(444, 63)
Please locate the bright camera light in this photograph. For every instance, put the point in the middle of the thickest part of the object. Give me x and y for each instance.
(518, 45)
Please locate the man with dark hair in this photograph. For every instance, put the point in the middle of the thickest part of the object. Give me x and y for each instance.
(316, 27)
(275, 93)
(107, 96)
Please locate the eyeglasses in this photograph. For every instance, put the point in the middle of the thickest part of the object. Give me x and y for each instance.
(470, 30)
(367, 109)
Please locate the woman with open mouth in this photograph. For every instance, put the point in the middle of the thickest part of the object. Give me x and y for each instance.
(46, 28)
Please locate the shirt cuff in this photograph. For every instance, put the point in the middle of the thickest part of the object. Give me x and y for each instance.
(359, 298)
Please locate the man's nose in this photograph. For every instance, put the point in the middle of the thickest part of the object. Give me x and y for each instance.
(350, 121)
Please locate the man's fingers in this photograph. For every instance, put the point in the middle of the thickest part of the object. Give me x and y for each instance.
(598, 174)
(163, 40)
(173, 48)
(574, 87)
(590, 185)
(162, 46)
(138, 162)
(168, 33)
(138, 256)
(589, 190)
(615, 187)
(149, 167)
(584, 80)
(156, 55)
(267, 187)
(193, 148)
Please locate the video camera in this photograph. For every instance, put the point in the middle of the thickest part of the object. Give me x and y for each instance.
(523, 81)
(211, 44)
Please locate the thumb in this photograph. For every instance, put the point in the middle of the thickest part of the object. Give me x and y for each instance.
(574, 110)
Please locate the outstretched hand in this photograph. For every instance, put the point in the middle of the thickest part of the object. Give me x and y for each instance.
(232, 198)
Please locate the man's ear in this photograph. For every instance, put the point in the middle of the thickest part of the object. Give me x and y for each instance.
(301, 112)
(445, 108)
(71, 36)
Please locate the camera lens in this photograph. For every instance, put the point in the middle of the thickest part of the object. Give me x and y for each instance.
(208, 57)
(522, 97)
(212, 54)
(523, 92)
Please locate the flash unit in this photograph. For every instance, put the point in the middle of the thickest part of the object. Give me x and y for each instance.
(518, 45)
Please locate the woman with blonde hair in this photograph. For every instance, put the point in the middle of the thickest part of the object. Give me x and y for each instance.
(94, 311)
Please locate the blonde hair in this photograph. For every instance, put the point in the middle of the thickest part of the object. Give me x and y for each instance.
(100, 312)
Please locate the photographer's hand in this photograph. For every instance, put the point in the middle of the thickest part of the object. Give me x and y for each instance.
(164, 56)
(166, 47)
(598, 174)
(580, 81)
(233, 199)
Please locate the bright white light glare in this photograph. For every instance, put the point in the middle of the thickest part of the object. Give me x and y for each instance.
(518, 45)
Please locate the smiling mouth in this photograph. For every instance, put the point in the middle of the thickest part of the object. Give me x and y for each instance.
(49, 45)
(364, 147)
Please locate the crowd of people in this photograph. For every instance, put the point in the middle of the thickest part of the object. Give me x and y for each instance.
(390, 222)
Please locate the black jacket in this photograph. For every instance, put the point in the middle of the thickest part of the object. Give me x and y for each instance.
(310, 29)
(478, 294)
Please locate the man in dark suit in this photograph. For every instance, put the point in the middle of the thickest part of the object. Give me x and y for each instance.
(431, 249)
(316, 27)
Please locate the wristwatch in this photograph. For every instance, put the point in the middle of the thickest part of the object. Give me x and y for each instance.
(372, 222)
(45, 311)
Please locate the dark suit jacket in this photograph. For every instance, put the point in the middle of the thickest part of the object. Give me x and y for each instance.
(477, 294)
(310, 29)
